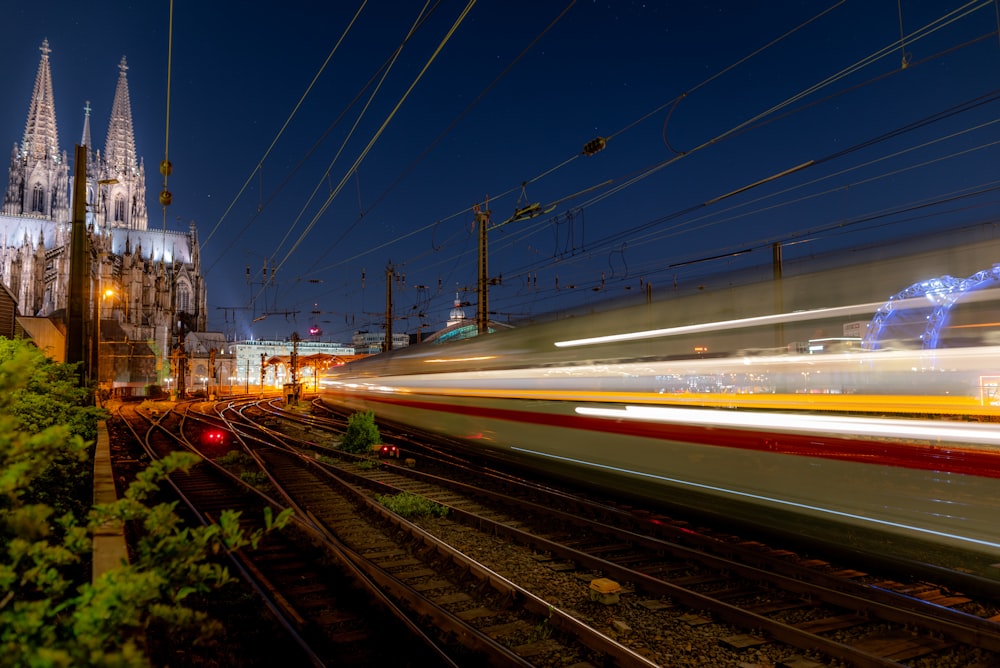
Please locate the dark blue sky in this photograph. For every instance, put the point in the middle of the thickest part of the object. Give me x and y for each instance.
(512, 98)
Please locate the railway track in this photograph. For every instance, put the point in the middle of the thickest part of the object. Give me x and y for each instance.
(331, 619)
(490, 615)
(478, 617)
(770, 594)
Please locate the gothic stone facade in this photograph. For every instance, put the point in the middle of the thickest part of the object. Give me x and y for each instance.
(143, 284)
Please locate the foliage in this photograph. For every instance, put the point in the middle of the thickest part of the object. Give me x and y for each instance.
(255, 478)
(411, 505)
(325, 459)
(42, 393)
(39, 394)
(235, 458)
(362, 433)
(50, 615)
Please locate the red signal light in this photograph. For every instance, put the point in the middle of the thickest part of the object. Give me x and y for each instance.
(213, 437)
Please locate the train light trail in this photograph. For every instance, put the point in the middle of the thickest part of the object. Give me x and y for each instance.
(778, 318)
(923, 430)
(810, 508)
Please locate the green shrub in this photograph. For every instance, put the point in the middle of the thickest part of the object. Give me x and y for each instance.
(362, 433)
(235, 459)
(51, 614)
(255, 478)
(411, 505)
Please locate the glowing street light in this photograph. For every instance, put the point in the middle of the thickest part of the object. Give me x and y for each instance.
(100, 301)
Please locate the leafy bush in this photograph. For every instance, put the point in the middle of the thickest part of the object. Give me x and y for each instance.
(50, 613)
(38, 395)
(362, 433)
(411, 505)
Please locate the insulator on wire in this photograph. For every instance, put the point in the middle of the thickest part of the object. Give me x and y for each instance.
(594, 145)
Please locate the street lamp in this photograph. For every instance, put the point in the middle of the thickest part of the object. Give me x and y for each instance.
(107, 293)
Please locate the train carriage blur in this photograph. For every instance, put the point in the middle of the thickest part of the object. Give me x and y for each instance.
(888, 451)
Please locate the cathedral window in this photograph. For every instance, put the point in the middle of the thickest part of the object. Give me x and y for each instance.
(183, 298)
(38, 198)
(119, 209)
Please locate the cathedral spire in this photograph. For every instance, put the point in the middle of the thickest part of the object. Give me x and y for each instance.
(39, 173)
(119, 150)
(120, 168)
(41, 139)
(94, 215)
(85, 141)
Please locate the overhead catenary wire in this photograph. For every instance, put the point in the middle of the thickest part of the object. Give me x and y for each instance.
(550, 170)
(632, 234)
(921, 33)
(325, 178)
(713, 219)
(437, 140)
(995, 96)
(288, 120)
(642, 174)
(673, 103)
(379, 132)
(904, 41)
(165, 168)
(316, 145)
(961, 12)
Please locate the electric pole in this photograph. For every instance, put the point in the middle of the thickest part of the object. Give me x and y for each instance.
(79, 267)
(389, 274)
(482, 309)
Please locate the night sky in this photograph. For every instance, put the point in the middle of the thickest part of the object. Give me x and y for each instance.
(384, 160)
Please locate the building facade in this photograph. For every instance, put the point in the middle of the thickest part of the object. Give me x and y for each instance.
(146, 286)
(372, 343)
(264, 365)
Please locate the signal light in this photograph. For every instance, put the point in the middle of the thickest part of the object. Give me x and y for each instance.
(213, 437)
(594, 145)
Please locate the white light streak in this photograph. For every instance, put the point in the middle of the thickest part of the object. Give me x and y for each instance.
(816, 314)
(924, 430)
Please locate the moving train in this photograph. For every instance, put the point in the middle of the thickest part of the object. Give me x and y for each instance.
(887, 451)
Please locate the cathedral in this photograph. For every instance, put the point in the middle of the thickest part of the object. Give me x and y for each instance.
(146, 288)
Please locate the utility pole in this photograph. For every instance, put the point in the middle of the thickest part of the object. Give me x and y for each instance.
(211, 373)
(79, 267)
(389, 273)
(294, 364)
(482, 309)
(779, 306)
(181, 356)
